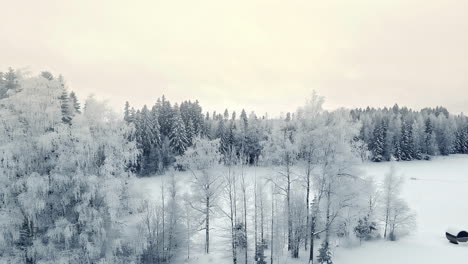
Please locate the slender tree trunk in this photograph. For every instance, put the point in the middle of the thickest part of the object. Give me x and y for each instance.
(288, 200)
(207, 226)
(232, 208)
(163, 222)
(245, 225)
(272, 224)
(307, 208)
(312, 234)
(235, 200)
(262, 217)
(327, 231)
(255, 218)
(387, 213)
(188, 234)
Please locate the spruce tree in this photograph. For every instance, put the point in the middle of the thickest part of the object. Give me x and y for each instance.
(190, 129)
(74, 103)
(324, 256)
(244, 119)
(407, 142)
(377, 146)
(222, 134)
(47, 75)
(178, 134)
(127, 111)
(67, 114)
(11, 81)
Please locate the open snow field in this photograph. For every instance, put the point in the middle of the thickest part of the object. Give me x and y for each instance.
(439, 195)
(436, 190)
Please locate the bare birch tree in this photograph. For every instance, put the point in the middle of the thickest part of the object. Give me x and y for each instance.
(201, 160)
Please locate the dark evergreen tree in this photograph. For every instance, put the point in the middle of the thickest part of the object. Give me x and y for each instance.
(407, 142)
(324, 256)
(462, 139)
(190, 131)
(243, 117)
(377, 146)
(47, 75)
(365, 229)
(165, 116)
(148, 140)
(178, 136)
(10, 81)
(127, 111)
(74, 103)
(67, 112)
(221, 133)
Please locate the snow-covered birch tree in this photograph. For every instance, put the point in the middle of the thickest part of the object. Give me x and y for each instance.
(201, 160)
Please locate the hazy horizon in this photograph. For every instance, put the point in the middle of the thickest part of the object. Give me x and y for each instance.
(264, 56)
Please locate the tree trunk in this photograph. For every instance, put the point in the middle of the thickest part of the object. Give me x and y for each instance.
(386, 220)
(312, 234)
(288, 200)
(232, 208)
(307, 208)
(272, 225)
(245, 225)
(163, 222)
(255, 218)
(188, 234)
(233, 238)
(207, 226)
(327, 232)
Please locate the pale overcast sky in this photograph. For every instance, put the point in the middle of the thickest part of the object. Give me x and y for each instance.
(264, 55)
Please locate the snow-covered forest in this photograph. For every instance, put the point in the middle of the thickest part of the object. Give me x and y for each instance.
(269, 190)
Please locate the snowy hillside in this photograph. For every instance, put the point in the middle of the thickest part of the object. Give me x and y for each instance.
(434, 189)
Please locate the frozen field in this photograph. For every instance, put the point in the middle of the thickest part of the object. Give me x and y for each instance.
(439, 196)
(436, 190)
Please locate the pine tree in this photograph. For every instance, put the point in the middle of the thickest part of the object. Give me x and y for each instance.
(221, 133)
(74, 103)
(430, 141)
(11, 81)
(190, 129)
(377, 146)
(127, 111)
(165, 116)
(47, 75)
(462, 139)
(325, 256)
(244, 119)
(2, 86)
(418, 138)
(396, 148)
(67, 114)
(365, 229)
(148, 139)
(407, 141)
(178, 135)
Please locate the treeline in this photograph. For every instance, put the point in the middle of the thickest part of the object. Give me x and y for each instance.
(166, 131)
(405, 134)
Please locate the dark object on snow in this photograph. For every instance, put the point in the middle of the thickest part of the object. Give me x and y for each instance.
(462, 236)
(451, 238)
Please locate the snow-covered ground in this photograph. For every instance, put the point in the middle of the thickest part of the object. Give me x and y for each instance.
(436, 190)
(438, 193)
